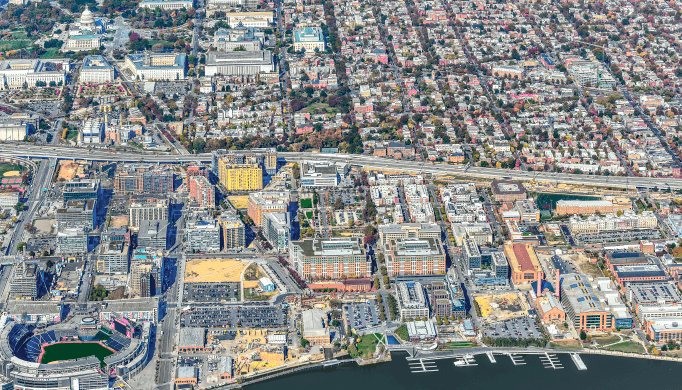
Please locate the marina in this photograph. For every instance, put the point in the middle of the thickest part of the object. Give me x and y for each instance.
(422, 366)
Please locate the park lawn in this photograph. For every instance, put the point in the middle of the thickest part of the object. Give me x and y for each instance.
(459, 345)
(319, 108)
(306, 203)
(309, 214)
(606, 340)
(367, 345)
(14, 45)
(402, 332)
(50, 53)
(571, 345)
(8, 167)
(627, 347)
(239, 201)
(71, 134)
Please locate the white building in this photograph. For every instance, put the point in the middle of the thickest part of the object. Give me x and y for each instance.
(92, 132)
(171, 66)
(309, 39)
(239, 63)
(612, 222)
(85, 37)
(96, 69)
(167, 4)
(15, 73)
(9, 199)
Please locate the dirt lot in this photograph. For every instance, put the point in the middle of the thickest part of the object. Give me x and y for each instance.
(117, 222)
(67, 170)
(214, 270)
(500, 306)
(583, 262)
(44, 225)
(238, 201)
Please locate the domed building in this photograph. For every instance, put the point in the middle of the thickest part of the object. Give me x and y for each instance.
(85, 38)
(87, 22)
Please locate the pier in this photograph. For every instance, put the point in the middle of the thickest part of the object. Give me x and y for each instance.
(551, 361)
(491, 357)
(578, 361)
(423, 365)
(516, 359)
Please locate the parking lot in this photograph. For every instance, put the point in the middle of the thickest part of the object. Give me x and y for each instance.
(211, 292)
(629, 235)
(361, 315)
(516, 328)
(257, 315)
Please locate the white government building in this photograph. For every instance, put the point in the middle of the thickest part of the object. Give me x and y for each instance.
(14, 73)
(85, 38)
(239, 63)
(147, 66)
(167, 4)
(96, 69)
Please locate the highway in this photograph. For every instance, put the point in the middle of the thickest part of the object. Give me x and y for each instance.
(41, 184)
(74, 153)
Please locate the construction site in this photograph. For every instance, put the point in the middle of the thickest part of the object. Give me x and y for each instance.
(498, 307)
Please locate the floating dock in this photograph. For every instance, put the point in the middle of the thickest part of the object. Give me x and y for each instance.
(516, 359)
(578, 361)
(466, 361)
(551, 361)
(423, 366)
(491, 357)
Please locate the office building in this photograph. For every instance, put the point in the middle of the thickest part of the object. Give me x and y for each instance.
(25, 283)
(240, 63)
(233, 230)
(276, 229)
(508, 191)
(583, 304)
(143, 178)
(528, 211)
(499, 265)
(16, 74)
(412, 301)
(202, 234)
(588, 207)
(310, 39)
(149, 66)
(152, 234)
(167, 4)
(150, 209)
(9, 199)
(203, 192)
(421, 331)
(315, 328)
(471, 254)
(413, 256)
(96, 69)
(639, 273)
(523, 263)
(113, 258)
(408, 230)
(72, 241)
(332, 258)
(83, 189)
(76, 214)
(656, 293)
(91, 132)
(480, 232)
(321, 174)
(261, 203)
(247, 38)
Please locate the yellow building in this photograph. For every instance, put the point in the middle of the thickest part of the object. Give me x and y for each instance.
(240, 177)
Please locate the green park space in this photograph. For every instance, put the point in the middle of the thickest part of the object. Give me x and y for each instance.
(306, 203)
(627, 347)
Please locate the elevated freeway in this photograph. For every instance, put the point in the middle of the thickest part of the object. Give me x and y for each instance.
(74, 153)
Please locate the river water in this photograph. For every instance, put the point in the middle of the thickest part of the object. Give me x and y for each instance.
(603, 373)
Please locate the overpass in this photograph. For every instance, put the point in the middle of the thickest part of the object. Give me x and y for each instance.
(373, 162)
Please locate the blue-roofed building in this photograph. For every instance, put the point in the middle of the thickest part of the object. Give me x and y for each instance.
(309, 39)
(96, 69)
(156, 66)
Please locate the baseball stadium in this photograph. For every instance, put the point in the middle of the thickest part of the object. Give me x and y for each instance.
(88, 356)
